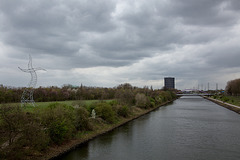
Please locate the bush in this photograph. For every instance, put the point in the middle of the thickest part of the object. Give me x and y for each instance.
(151, 102)
(24, 130)
(59, 131)
(92, 106)
(105, 111)
(12, 121)
(173, 95)
(141, 100)
(114, 102)
(123, 111)
(165, 96)
(158, 99)
(82, 119)
(59, 120)
(33, 135)
(168, 95)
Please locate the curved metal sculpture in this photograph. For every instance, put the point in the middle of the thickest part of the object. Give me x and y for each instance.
(27, 96)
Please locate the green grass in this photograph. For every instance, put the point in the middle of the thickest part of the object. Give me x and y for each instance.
(40, 105)
(235, 100)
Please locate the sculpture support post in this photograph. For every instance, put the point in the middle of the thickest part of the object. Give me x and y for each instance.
(27, 96)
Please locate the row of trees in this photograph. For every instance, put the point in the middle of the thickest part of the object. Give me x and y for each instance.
(233, 87)
(53, 93)
(69, 92)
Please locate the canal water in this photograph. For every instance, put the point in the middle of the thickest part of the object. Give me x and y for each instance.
(191, 128)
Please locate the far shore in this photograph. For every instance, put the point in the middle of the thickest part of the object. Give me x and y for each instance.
(224, 104)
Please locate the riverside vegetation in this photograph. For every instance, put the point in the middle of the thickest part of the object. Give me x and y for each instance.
(36, 133)
(231, 95)
(235, 100)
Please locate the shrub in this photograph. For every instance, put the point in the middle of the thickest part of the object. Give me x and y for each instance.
(164, 96)
(114, 102)
(158, 99)
(173, 95)
(151, 102)
(123, 111)
(82, 119)
(12, 121)
(33, 134)
(24, 130)
(59, 120)
(168, 95)
(92, 106)
(35, 137)
(141, 100)
(105, 111)
(59, 131)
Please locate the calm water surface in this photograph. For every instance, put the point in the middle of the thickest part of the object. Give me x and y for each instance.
(191, 128)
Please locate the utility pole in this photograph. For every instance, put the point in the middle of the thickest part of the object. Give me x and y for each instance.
(208, 86)
(216, 86)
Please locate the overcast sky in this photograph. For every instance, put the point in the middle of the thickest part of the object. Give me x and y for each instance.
(105, 43)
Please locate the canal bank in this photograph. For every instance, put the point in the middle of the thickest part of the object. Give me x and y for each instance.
(224, 104)
(190, 128)
(57, 151)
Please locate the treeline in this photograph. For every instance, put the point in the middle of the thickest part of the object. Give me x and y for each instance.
(67, 92)
(54, 93)
(233, 87)
(28, 134)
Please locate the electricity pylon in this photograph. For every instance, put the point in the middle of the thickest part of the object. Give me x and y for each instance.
(27, 96)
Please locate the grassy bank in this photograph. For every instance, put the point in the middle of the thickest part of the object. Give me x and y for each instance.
(55, 152)
(235, 100)
(51, 129)
(229, 102)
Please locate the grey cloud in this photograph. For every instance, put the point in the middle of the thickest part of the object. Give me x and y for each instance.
(53, 27)
(233, 4)
(204, 12)
(224, 57)
(152, 39)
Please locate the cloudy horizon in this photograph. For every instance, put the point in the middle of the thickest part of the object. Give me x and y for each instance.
(111, 42)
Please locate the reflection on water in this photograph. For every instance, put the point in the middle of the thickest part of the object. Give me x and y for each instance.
(190, 128)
